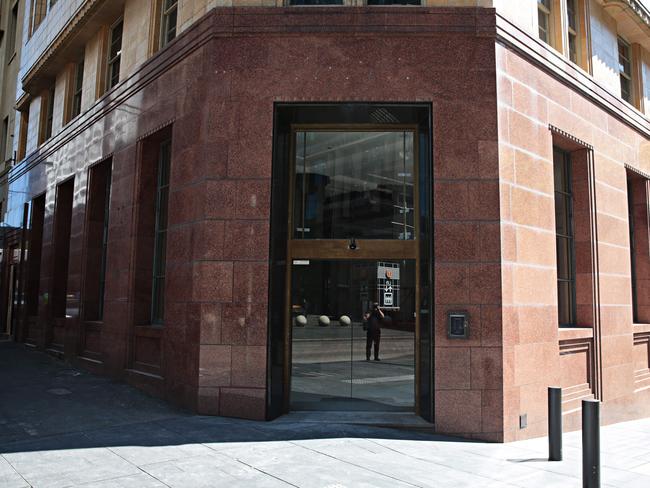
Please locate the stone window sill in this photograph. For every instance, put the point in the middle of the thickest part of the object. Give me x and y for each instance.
(570, 333)
(641, 328)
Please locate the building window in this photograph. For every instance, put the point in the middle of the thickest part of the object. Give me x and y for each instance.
(35, 247)
(61, 255)
(99, 198)
(638, 192)
(544, 20)
(77, 89)
(114, 54)
(565, 242)
(47, 115)
(13, 26)
(160, 237)
(4, 137)
(625, 69)
(169, 14)
(573, 29)
(22, 135)
(38, 12)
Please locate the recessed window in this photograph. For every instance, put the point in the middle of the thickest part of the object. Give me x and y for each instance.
(638, 189)
(38, 13)
(34, 252)
(573, 29)
(114, 54)
(77, 89)
(22, 135)
(565, 238)
(169, 14)
(160, 237)
(4, 137)
(625, 69)
(61, 254)
(99, 197)
(544, 20)
(13, 26)
(47, 115)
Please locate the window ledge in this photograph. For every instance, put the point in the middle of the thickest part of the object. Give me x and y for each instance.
(641, 328)
(569, 333)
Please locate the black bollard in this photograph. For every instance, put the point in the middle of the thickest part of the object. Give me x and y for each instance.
(554, 423)
(590, 443)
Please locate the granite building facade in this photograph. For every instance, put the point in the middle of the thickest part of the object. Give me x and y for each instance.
(208, 198)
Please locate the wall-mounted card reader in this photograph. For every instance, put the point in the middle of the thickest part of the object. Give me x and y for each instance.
(458, 325)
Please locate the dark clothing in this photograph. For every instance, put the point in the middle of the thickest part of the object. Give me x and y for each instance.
(373, 336)
(374, 321)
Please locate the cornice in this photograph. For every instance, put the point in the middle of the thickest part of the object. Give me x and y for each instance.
(553, 63)
(58, 43)
(633, 6)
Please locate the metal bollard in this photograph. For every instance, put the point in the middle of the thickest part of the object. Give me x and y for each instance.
(554, 423)
(590, 443)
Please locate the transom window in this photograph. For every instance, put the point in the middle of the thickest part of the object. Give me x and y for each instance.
(354, 184)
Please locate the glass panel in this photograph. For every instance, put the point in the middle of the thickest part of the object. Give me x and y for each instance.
(571, 14)
(573, 48)
(542, 20)
(383, 362)
(564, 302)
(564, 266)
(625, 89)
(330, 370)
(562, 226)
(354, 184)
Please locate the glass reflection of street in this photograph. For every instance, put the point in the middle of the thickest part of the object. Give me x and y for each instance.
(329, 366)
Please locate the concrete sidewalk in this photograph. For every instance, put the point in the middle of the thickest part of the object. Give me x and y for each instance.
(60, 427)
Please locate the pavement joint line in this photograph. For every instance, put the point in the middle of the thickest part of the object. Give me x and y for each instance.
(14, 468)
(136, 466)
(356, 465)
(267, 474)
(435, 463)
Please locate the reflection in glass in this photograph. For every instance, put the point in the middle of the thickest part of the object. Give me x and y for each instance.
(329, 336)
(354, 184)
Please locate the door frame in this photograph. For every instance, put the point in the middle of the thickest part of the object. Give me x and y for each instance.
(359, 116)
(339, 249)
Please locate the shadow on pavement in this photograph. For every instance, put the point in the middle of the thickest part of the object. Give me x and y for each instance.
(46, 405)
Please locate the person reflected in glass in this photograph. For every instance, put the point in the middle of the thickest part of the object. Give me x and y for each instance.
(373, 320)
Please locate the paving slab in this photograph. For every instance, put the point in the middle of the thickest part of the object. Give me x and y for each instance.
(65, 428)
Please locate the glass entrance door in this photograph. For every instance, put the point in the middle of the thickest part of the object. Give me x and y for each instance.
(342, 359)
(352, 243)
